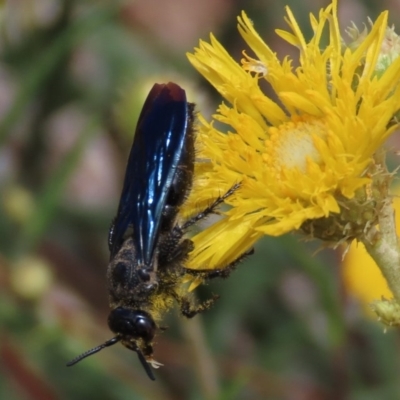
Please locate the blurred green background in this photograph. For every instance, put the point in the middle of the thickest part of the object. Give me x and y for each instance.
(73, 77)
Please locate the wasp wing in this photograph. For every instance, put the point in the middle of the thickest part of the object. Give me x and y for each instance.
(155, 154)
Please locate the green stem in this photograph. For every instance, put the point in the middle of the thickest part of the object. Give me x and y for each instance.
(206, 370)
(383, 247)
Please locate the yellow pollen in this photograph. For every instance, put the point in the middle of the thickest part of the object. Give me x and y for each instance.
(291, 144)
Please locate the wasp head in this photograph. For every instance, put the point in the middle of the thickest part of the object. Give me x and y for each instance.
(136, 328)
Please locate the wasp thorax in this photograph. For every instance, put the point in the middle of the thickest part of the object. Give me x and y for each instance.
(149, 279)
(137, 324)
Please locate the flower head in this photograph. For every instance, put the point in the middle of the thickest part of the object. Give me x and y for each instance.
(305, 158)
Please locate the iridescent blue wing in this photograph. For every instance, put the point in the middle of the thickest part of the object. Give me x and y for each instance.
(156, 151)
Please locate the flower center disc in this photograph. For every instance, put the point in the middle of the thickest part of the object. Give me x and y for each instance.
(291, 144)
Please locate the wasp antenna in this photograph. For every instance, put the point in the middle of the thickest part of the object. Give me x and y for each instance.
(88, 353)
(145, 365)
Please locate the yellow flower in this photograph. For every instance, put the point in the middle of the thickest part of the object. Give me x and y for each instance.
(362, 277)
(303, 153)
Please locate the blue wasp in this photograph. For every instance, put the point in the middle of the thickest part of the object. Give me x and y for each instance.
(146, 241)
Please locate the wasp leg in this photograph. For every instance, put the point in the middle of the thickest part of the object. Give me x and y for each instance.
(210, 209)
(224, 272)
(189, 310)
(181, 251)
(172, 249)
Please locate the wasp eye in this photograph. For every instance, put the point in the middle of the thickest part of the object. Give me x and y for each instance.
(145, 327)
(137, 324)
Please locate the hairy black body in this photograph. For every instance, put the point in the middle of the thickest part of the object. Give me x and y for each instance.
(148, 249)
